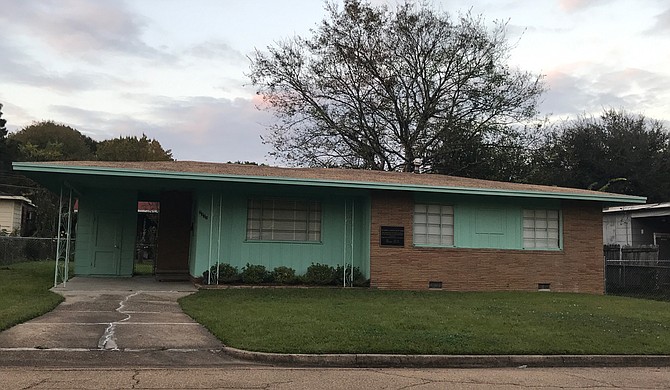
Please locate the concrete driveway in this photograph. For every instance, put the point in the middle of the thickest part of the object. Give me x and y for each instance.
(126, 314)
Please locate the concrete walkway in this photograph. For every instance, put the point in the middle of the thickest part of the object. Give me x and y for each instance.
(118, 314)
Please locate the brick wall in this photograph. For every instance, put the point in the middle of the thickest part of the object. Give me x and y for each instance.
(577, 268)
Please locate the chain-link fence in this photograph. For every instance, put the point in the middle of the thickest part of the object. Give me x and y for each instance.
(636, 271)
(18, 249)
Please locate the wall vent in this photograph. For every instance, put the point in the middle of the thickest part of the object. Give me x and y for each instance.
(434, 284)
(544, 287)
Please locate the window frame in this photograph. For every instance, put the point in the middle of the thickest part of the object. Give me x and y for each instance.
(547, 229)
(313, 207)
(426, 244)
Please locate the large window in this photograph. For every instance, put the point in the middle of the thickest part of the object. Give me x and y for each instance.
(273, 219)
(541, 229)
(433, 225)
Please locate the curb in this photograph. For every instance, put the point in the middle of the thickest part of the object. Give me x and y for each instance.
(448, 361)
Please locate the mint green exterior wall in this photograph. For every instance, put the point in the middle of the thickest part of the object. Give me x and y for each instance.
(91, 202)
(220, 231)
(483, 222)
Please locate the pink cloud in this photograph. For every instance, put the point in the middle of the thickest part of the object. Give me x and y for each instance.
(576, 5)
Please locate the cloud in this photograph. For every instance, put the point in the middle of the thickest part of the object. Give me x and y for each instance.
(211, 129)
(18, 67)
(196, 128)
(578, 5)
(80, 28)
(662, 24)
(586, 88)
(15, 116)
(217, 50)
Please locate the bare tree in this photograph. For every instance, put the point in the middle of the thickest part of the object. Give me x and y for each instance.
(376, 88)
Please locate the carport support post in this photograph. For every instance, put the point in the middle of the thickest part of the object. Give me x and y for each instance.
(353, 222)
(58, 240)
(348, 228)
(344, 254)
(63, 248)
(67, 235)
(218, 240)
(211, 228)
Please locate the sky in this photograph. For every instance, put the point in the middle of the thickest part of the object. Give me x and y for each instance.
(176, 70)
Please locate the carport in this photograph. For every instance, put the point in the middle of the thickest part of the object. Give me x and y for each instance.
(106, 223)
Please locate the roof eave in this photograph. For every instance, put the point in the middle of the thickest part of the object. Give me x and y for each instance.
(90, 170)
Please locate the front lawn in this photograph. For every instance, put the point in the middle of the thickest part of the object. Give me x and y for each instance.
(431, 322)
(24, 292)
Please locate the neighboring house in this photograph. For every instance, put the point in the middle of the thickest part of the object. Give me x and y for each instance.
(17, 215)
(639, 226)
(402, 230)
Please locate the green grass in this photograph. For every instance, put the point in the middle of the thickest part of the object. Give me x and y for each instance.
(431, 322)
(143, 269)
(24, 292)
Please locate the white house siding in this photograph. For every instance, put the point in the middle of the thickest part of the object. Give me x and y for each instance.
(617, 229)
(10, 215)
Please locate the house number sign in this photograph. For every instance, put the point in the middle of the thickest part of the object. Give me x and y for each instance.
(392, 236)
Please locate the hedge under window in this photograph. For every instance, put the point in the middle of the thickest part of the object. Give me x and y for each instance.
(433, 225)
(541, 229)
(283, 220)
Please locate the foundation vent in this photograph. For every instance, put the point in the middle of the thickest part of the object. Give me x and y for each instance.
(543, 287)
(434, 284)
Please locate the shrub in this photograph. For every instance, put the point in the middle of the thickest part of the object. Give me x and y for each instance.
(320, 274)
(361, 282)
(227, 274)
(356, 280)
(206, 277)
(299, 279)
(283, 275)
(255, 274)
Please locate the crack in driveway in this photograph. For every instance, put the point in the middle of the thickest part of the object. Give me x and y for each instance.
(108, 339)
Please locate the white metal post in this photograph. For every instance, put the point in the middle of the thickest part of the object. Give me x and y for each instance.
(68, 238)
(218, 240)
(58, 240)
(353, 221)
(211, 227)
(344, 253)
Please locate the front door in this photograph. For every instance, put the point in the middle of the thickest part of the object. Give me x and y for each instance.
(174, 235)
(107, 243)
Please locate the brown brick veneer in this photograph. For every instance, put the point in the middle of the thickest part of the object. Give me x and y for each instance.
(577, 268)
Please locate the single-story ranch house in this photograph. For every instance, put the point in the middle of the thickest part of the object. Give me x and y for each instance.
(402, 230)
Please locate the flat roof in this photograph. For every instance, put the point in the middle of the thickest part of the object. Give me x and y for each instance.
(320, 177)
(650, 206)
(642, 210)
(17, 197)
